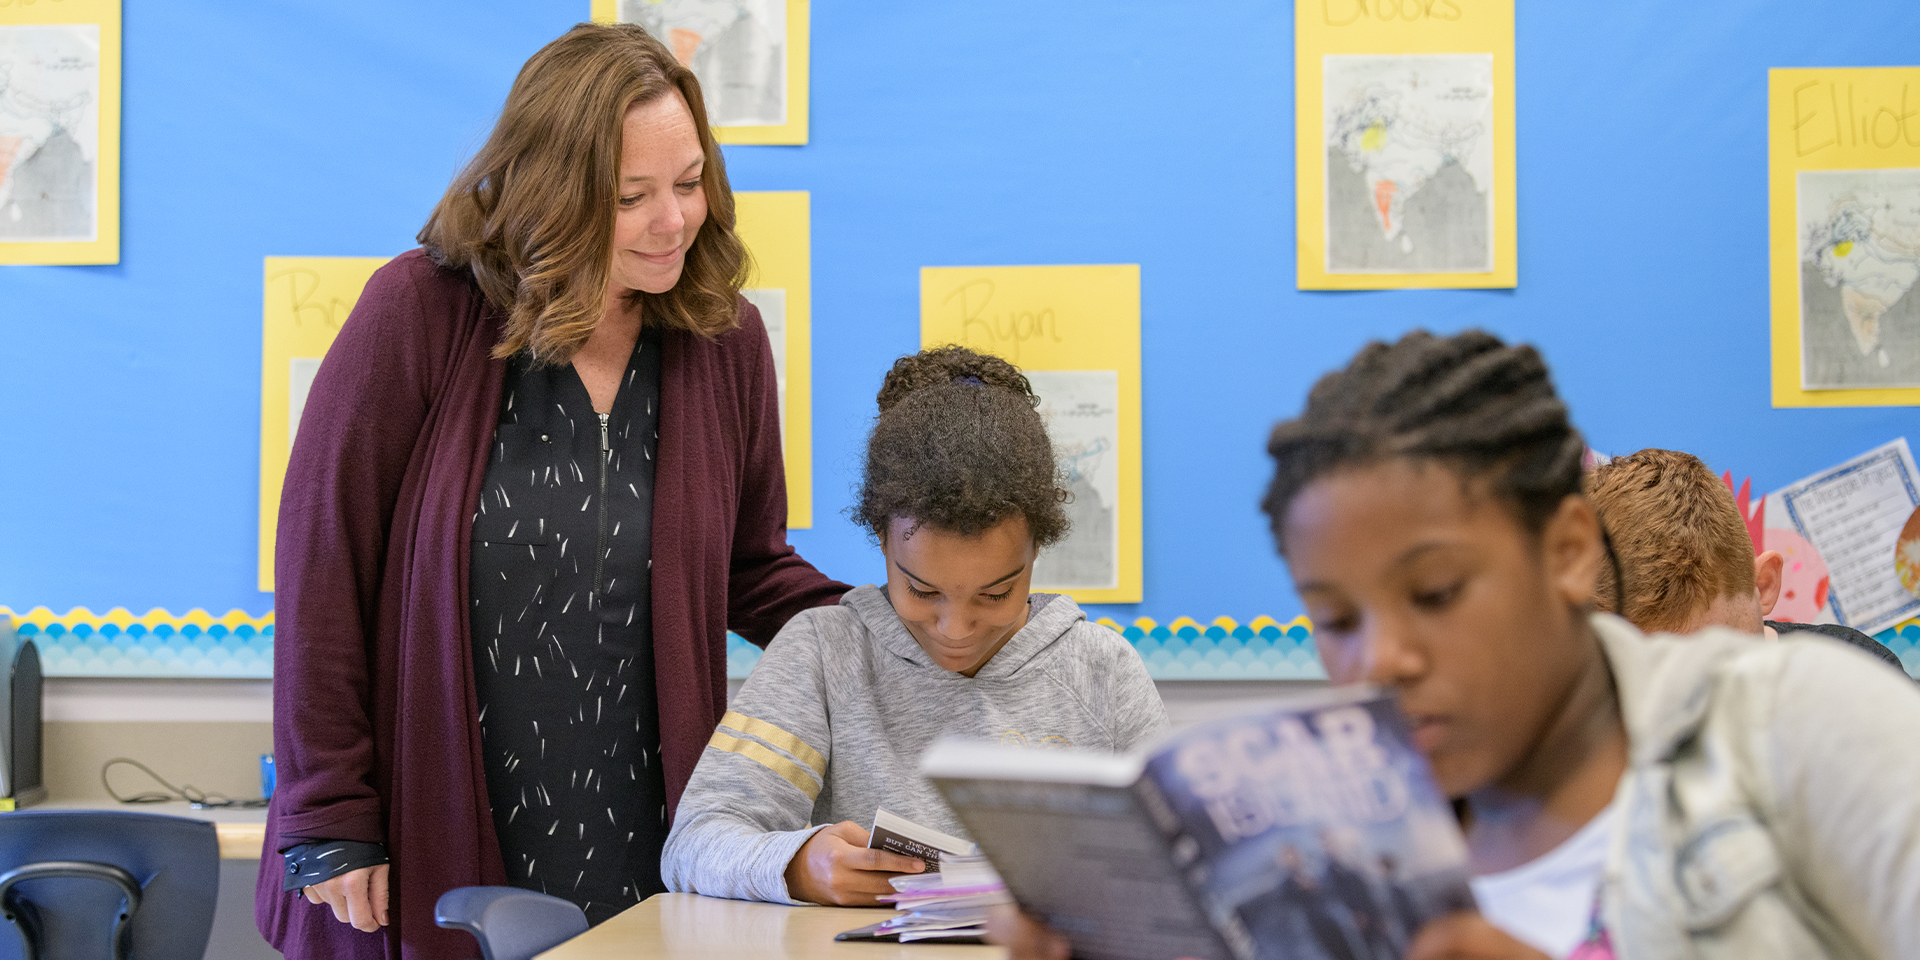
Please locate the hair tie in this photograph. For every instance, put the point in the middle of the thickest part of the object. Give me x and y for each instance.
(970, 380)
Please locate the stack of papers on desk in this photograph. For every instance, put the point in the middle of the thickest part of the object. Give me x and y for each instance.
(951, 904)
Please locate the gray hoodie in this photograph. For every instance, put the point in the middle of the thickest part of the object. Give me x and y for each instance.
(832, 723)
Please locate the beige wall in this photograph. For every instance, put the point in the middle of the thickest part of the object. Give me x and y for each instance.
(207, 733)
(213, 757)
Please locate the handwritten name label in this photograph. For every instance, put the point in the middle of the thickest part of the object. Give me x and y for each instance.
(305, 302)
(1341, 13)
(1827, 114)
(1000, 329)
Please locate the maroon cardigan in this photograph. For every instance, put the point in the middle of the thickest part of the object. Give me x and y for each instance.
(375, 729)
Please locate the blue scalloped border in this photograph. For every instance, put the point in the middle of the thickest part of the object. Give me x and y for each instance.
(1187, 652)
(136, 650)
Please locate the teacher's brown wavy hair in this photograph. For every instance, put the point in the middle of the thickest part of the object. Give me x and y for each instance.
(532, 214)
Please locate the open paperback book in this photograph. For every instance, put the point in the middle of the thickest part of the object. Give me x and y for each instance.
(1308, 828)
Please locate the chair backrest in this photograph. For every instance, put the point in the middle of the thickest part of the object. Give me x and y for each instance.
(510, 923)
(175, 862)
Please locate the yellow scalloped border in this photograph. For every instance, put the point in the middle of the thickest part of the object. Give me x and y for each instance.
(121, 617)
(1229, 624)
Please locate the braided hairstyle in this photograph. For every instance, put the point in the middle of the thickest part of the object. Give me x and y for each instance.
(960, 445)
(1471, 402)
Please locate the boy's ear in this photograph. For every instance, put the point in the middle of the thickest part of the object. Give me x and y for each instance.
(1768, 574)
(1574, 551)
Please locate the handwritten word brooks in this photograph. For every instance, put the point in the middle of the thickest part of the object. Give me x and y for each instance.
(1826, 115)
(1001, 330)
(306, 304)
(1340, 13)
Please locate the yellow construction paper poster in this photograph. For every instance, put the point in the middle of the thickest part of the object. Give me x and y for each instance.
(60, 132)
(1075, 332)
(1844, 183)
(776, 226)
(750, 55)
(1404, 141)
(306, 301)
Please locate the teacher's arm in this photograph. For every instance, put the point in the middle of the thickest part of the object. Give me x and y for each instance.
(362, 420)
(768, 582)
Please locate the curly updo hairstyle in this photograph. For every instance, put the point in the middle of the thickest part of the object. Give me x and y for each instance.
(959, 446)
(1470, 402)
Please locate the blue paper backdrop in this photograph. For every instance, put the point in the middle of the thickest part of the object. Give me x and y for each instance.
(993, 132)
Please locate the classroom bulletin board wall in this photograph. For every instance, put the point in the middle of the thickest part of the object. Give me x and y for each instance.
(988, 134)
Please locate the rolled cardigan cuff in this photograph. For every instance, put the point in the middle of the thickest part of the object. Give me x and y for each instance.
(318, 861)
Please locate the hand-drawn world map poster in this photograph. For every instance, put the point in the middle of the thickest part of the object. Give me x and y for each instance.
(1844, 188)
(1404, 140)
(60, 132)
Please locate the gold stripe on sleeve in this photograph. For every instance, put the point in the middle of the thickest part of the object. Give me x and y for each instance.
(788, 770)
(779, 738)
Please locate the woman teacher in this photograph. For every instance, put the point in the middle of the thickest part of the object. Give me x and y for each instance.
(538, 478)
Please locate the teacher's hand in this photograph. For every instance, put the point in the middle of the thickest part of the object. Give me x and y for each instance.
(358, 897)
(835, 867)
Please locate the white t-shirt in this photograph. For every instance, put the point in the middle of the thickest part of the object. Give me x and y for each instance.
(1547, 903)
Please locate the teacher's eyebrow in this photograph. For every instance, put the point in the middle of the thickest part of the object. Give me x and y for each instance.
(995, 583)
(697, 161)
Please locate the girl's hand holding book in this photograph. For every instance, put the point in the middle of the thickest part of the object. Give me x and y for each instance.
(835, 867)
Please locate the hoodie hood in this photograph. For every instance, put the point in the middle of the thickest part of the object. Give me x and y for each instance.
(1665, 682)
(1049, 617)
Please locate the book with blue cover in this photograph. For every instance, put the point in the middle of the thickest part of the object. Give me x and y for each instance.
(1307, 828)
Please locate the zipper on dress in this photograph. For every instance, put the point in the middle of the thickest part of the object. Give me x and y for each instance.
(606, 458)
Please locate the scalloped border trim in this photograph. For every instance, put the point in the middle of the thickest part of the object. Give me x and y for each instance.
(42, 618)
(1220, 628)
(1194, 644)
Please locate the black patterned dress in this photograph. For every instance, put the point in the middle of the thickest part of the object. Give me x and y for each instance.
(562, 636)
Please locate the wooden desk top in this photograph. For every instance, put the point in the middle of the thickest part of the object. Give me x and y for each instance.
(243, 833)
(687, 927)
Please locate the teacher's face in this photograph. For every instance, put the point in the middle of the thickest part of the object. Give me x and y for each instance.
(662, 204)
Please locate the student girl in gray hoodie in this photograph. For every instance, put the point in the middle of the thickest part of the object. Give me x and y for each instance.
(961, 491)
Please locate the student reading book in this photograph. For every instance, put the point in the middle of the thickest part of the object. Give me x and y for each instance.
(1705, 796)
(1685, 556)
(961, 491)
(1309, 823)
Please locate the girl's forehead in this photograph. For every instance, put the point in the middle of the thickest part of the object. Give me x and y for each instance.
(933, 554)
(1370, 515)
(1395, 490)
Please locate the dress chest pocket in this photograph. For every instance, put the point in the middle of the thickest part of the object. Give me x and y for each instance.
(1722, 868)
(516, 500)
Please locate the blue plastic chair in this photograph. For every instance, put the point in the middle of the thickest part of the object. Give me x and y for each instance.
(106, 885)
(510, 923)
